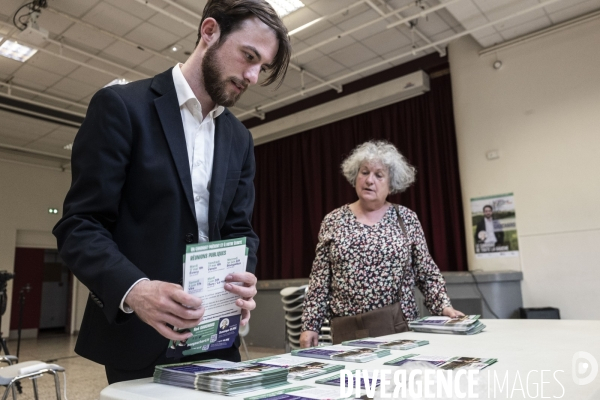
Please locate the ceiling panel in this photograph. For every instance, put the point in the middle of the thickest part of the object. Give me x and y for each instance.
(167, 23)
(64, 134)
(524, 28)
(353, 54)
(306, 59)
(151, 36)
(8, 66)
(326, 7)
(112, 19)
(34, 74)
(87, 37)
(132, 7)
(156, 65)
(194, 5)
(25, 127)
(54, 23)
(523, 20)
(52, 63)
(300, 17)
(573, 11)
(76, 8)
(77, 88)
(386, 41)
(325, 66)
(126, 55)
(96, 81)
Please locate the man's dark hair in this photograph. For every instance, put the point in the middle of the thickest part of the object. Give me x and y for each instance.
(488, 206)
(230, 14)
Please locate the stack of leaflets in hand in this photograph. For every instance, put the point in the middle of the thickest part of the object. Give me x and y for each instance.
(297, 368)
(301, 393)
(205, 267)
(467, 325)
(443, 362)
(220, 376)
(342, 353)
(400, 344)
(368, 383)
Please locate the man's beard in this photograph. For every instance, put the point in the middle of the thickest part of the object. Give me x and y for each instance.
(215, 86)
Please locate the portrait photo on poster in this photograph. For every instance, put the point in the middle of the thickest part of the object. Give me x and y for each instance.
(494, 226)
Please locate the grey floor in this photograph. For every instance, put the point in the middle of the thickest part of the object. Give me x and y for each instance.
(85, 379)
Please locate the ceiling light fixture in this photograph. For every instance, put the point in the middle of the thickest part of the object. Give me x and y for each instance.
(118, 81)
(303, 27)
(176, 48)
(285, 7)
(68, 146)
(13, 50)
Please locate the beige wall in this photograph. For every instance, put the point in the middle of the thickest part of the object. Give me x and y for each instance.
(26, 194)
(540, 110)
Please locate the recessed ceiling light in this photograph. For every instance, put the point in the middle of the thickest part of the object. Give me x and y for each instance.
(118, 81)
(16, 51)
(176, 48)
(285, 7)
(68, 146)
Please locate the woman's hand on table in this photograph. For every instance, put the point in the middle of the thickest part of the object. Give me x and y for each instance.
(452, 313)
(309, 339)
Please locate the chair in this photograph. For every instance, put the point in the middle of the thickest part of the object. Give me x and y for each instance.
(292, 298)
(28, 370)
(244, 330)
(10, 360)
(293, 302)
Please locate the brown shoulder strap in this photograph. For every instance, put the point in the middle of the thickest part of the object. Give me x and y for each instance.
(400, 220)
(403, 227)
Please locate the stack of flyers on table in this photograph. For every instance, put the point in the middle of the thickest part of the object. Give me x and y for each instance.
(342, 353)
(467, 325)
(376, 343)
(205, 267)
(298, 369)
(365, 382)
(301, 393)
(443, 362)
(220, 376)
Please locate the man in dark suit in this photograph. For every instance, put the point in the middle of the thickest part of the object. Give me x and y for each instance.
(488, 232)
(158, 164)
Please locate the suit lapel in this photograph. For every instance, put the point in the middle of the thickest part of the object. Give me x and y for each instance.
(167, 107)
(223, 137)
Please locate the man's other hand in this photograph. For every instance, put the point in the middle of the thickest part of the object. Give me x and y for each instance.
(160, 303)
(246, 291)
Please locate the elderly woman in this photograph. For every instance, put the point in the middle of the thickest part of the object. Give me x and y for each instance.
(363, 251)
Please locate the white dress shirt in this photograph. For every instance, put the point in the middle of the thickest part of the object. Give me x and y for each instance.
(490, 235)
(200, 143)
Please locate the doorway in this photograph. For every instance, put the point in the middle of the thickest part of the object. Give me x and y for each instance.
(41, 293)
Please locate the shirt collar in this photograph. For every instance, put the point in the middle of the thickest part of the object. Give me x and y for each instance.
(185, 93)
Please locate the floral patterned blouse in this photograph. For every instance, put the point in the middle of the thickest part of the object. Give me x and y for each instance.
(359, 268)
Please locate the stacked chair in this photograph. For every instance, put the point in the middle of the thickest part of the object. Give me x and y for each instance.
(293, 301)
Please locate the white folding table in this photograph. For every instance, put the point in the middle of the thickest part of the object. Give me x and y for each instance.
(522, 347)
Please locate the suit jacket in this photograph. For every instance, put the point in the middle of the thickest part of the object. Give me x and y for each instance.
(129, 212)
(497, 231)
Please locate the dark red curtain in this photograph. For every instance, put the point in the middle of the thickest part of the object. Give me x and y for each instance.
(298, 181)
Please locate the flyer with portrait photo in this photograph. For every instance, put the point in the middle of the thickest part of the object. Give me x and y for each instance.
(205, 267)
(494, 226)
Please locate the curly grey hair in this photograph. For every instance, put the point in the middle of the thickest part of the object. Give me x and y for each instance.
(402, 174)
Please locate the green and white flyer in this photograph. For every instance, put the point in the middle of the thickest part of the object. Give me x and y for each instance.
(205, 267)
